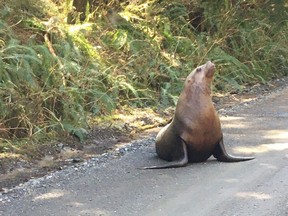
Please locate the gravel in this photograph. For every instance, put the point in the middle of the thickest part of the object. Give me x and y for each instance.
(74, 171)
(7, 195)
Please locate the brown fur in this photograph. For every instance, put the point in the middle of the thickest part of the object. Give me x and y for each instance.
(195, 131)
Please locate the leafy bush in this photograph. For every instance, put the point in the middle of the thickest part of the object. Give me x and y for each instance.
(56, 76)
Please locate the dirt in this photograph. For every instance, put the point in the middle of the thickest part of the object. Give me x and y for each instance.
(108, 135)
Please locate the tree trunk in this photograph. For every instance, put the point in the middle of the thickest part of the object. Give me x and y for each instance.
(79, 8)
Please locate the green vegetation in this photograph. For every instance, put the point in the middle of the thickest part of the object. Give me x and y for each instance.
(55, 76)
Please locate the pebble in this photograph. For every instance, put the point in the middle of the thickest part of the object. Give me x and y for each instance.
(8, 195)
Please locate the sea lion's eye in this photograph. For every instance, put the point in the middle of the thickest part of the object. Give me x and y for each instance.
(198, 69)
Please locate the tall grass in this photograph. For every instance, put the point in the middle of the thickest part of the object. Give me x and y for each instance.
(55, 77)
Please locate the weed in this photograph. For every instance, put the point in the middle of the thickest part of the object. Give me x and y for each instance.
(56, 77)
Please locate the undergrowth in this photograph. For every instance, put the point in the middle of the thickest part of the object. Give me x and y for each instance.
(55, 76)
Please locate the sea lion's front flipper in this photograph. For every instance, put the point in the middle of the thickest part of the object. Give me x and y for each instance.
(221, 155)
(177, 163)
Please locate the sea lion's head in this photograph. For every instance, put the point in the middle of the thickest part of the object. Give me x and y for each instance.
(202, 75)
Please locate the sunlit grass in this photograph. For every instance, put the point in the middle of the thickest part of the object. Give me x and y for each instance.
(57, 77)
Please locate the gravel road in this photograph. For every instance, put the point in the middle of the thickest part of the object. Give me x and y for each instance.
(112, 184)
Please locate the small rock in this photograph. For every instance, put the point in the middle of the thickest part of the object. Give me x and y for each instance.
(77, 160)
(4, 190)
(60, 145)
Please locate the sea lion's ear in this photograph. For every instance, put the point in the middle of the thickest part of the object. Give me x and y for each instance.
(190, 81)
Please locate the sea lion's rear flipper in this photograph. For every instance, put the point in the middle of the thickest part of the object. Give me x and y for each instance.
(221, 155)
(177, 163)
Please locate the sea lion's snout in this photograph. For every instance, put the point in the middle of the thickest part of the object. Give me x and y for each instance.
(210, 64)
(210, 69)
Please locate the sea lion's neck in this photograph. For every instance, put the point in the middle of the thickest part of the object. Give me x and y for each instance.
(196, 99)
(197, 91)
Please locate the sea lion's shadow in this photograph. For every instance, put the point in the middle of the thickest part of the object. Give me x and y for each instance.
(156, 161)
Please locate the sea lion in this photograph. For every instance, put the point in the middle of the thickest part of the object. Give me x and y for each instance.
(194, 134)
